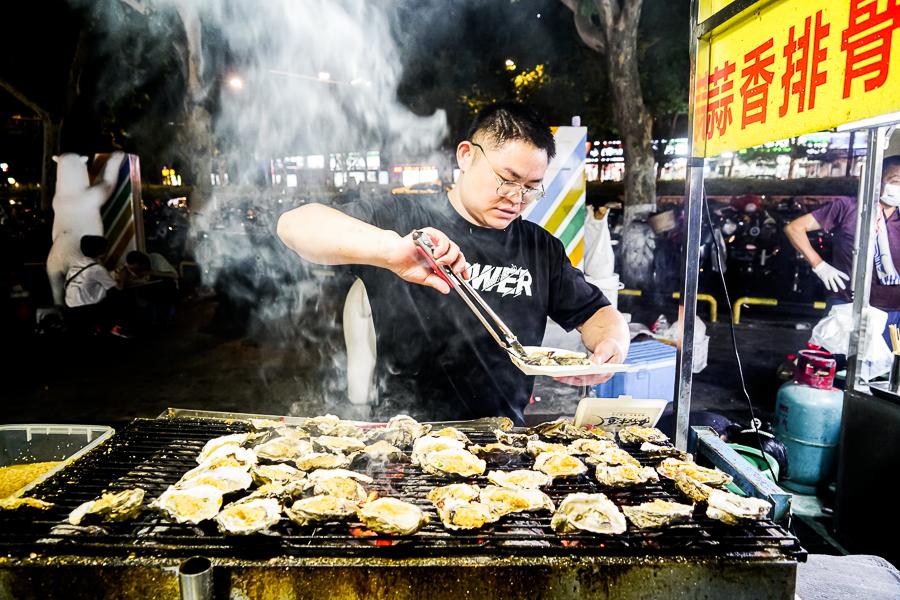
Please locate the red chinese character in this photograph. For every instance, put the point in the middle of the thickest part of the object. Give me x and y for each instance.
(867, 42)
(718, 111)
(806, 65)
(700, 99)
(757, 77)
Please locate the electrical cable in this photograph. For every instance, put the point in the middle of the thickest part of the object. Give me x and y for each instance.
(754, 423)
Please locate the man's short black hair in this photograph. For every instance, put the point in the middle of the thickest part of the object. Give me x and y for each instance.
(138, 259)
(889, 162)
(509, 121)
(94, 246)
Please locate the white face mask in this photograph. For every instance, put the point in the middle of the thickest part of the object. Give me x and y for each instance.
(891, 194)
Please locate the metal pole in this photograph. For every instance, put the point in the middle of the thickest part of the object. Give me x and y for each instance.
(866, 205)
(693, 194)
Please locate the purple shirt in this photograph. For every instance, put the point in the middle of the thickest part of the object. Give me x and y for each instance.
(839, 218)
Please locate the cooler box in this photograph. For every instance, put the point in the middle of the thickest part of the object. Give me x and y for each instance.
(651, 373)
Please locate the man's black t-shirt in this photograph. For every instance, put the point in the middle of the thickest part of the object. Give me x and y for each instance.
(435, 359)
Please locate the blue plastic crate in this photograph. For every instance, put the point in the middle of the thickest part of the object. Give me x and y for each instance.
(653, 375)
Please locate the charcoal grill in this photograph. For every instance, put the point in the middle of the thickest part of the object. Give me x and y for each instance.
(520, 556)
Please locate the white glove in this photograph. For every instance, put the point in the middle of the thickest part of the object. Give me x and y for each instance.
(830, 276)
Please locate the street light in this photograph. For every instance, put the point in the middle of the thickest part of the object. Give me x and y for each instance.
(510, 64)
(235, 82)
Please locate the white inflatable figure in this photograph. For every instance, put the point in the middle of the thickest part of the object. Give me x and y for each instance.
(76, 212)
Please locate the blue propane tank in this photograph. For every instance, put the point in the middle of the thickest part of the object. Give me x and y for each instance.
(808, 421)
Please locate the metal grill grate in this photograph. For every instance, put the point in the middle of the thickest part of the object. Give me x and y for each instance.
(155, 453)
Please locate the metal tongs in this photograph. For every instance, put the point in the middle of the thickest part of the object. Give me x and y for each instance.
(508, 341)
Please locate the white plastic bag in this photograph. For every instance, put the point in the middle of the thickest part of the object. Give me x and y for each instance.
(599, 261)
(833, 334)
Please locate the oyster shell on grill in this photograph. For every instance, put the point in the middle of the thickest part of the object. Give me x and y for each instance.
(518, 440)
(283, 449)
(459, 492)
(320, 474)
(235, 439)
(658, 513)
(322, 460)
(400, 431)
(654, 451)
(731, 509)
(225, 456)
(588, 512)
(696, 491)
(340, 487)
(17, 502)
(714, 477)
(535, 447)
(189, 505)
(249, 516)
(338, 444)
(519, 479)
(381, 452)
(565, 430)
(224, 479)
(504, 501)
(319, 509)
(613, 457)
(557, 464)
(280, 473)
(389, 515)
(332, 425)
(625, 475)
(590, 446)
(111, 507)
(453, 461)
(287, 431)
(428, 444)
(456, 514)
(635, 434)
(453, 433)
(265, 424)
(496, 453)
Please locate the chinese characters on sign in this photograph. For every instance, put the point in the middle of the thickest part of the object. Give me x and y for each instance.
(795, 67)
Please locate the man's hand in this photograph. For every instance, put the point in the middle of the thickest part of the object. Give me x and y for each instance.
(607, 351)
(404, 260)
(830, 276)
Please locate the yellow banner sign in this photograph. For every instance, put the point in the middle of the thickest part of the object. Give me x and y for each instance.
(707, 8)
(794, 67)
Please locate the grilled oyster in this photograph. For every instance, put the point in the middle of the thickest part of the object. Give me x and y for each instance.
(224, 479)
(249, 516)
(340, 487)
(190, 505)
(556, 464)
(654, 451)
(322, 460)
(428, 444)
(338, 444)
(454, 461)
(400, 431)
(283, 449)
(111, 507)
(553, 358)
(389, 515)
(731, 509)
(503, 501)
(280, 473)
(518, 440)
(535, 447)
(658, 513)
(380, 452)
(635, 434)
(519, 479)
(613, 457)
(320, 508)
(333, 426)
(296, 433)
(453, 433)
(265, 424)
(565, 430)
(696, 491)
(714, 477)
(456, 514)
(225, 456)
(235, 439)
(459, 492)
(588, 512)
(590, 446)
(17, 502)
(320, 474)
(625, 475)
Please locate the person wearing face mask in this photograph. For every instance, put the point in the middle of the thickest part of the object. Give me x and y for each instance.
(839, 219)
(434, 358)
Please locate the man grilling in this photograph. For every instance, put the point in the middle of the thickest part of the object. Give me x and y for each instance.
(435, 359)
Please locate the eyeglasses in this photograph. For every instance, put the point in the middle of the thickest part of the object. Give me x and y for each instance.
(511, 190)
